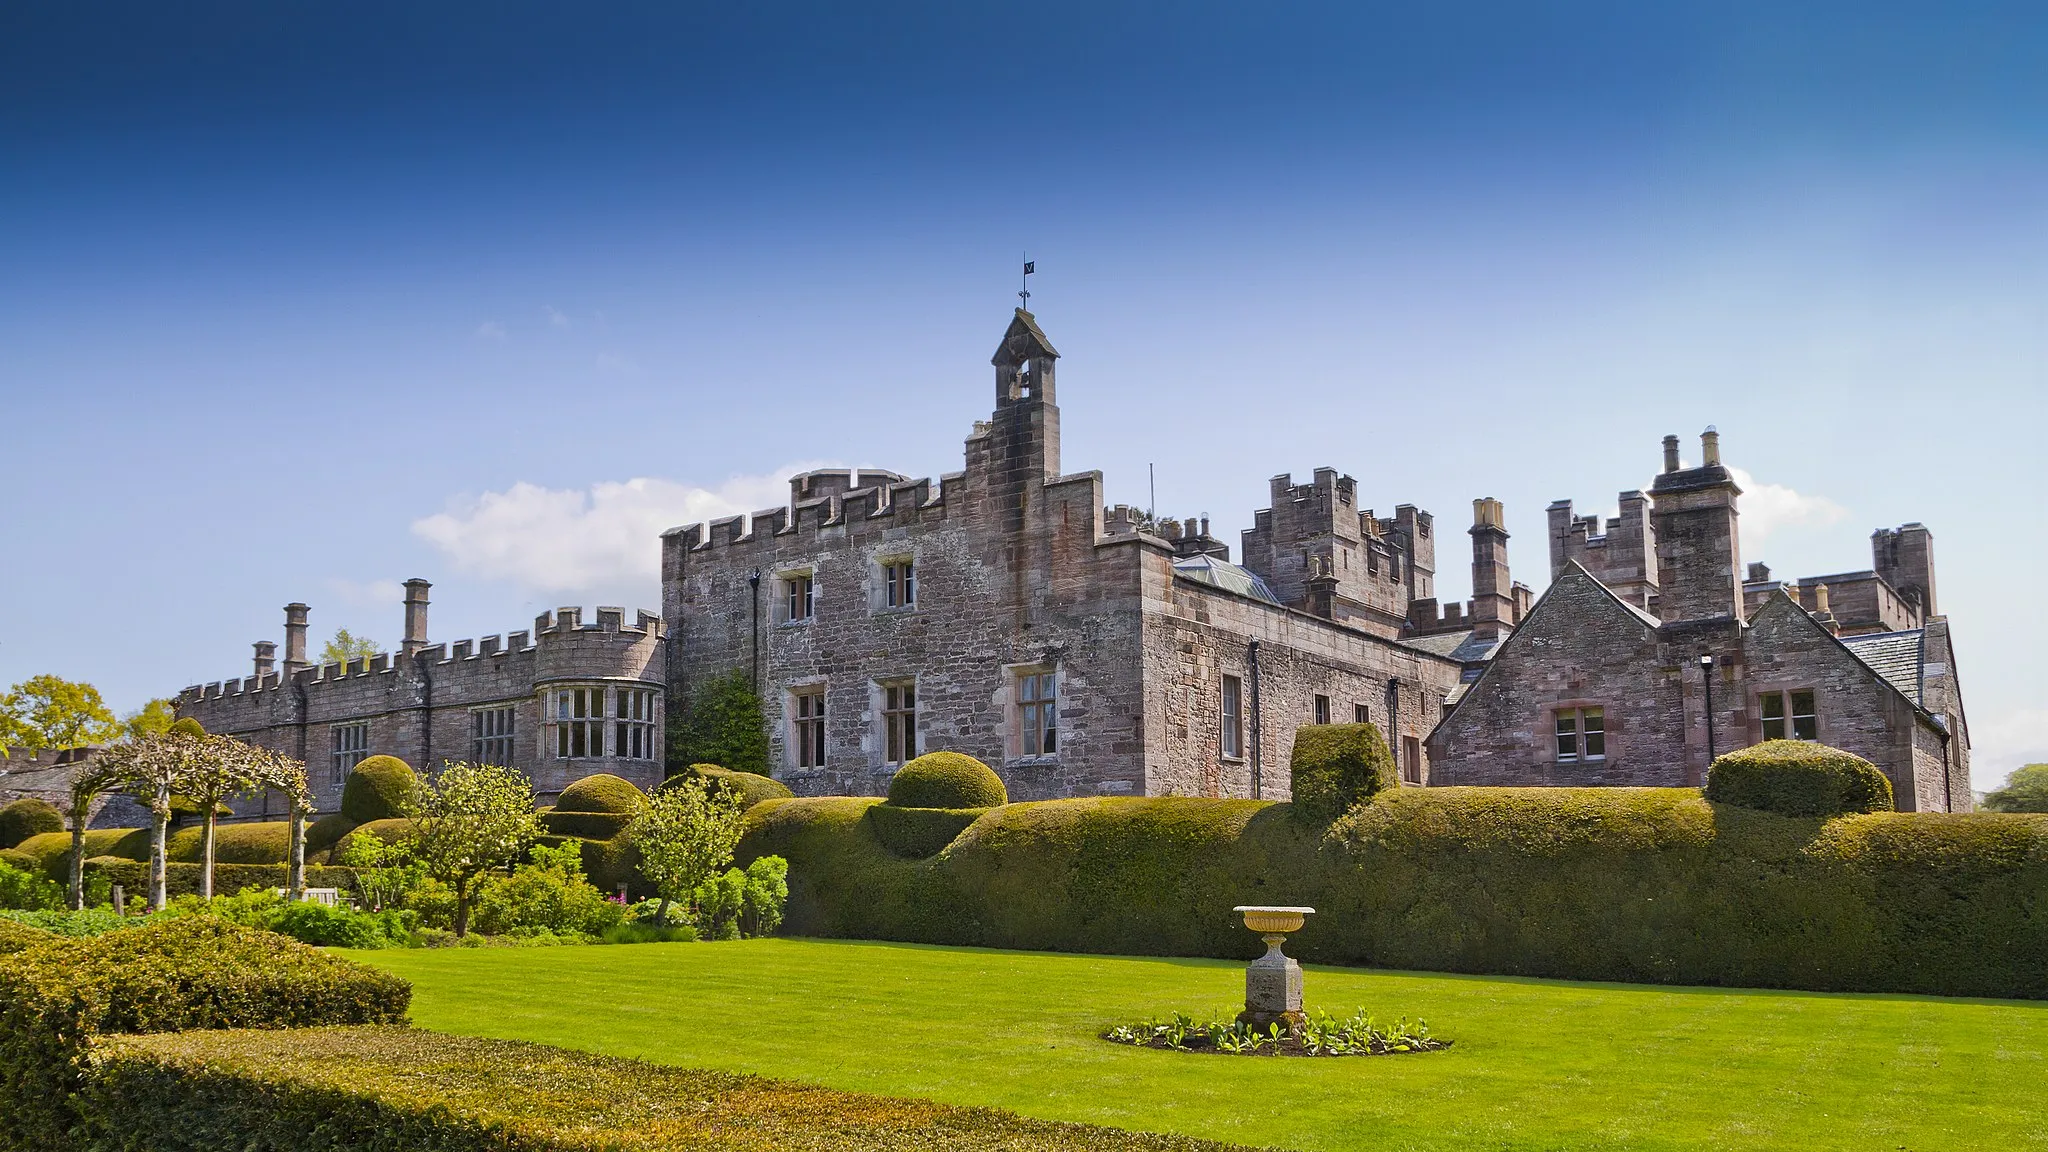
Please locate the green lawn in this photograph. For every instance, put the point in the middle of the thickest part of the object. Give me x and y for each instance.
(1538, 1064)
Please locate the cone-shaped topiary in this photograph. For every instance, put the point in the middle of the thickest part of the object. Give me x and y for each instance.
(603, 792)
(28, 817)
(378, 789)
(753, 787)
(947, 780)
(1798, 778)
(1337, 766)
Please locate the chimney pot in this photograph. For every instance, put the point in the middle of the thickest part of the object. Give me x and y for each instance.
(266, 658)
(1671, 453)
(1710, 447)
(415, 617)
(294, 638)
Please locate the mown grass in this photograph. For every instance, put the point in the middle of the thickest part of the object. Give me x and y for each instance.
(1538, 1064)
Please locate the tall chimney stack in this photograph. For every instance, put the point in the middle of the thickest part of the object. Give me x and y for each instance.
(1493, 606)
(415, 617)
(294, 638)
(266, 658)
(1710, 447)
(1671, 453)
(1699, 552)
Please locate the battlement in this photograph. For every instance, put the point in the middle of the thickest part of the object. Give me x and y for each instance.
(821, 500)
(563, 621)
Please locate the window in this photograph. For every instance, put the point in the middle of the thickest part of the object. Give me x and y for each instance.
(1359, 714)
(1581, 735)
(1038, 710)
(492, 731)
(1233, 717)
(1778, 707)
(1322, 709)
(799, 598)
(579, 722)
(351, 747)
(1411, 769)
(807, 727)
(633, 727)
(899, 722)
(899, 584)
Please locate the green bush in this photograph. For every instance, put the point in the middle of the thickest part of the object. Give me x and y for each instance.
(548, 893)
(585, 825)
(946, 780)
(16, 936)
(327, 926)
(391, 831)
(228, 879)
(186, 726)
(265, 843)
(1651, 885)
(1337, 766)
(645, 932)
(719, 722)
(28, 817)
(379, 788)
(2026, 790)
(327, 831)
(1798, 778)
(603, 792)
(362, 1088)
(28, 891)
(919, 832)
(753, 787)
(90, 922)
(22, 860)
(52, 850)
(166, 976)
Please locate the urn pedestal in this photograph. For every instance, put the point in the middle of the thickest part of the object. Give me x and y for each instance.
(1272, 983)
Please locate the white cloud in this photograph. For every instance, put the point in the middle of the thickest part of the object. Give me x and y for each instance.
(490, 330)
(603, 537)
(556, 317)
(1997, 746)
(1767, 508)
(367, 593)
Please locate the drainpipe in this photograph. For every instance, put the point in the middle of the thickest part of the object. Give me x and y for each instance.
(419, 663)
(1252, 667)
(1948, 798)
(1394, 741)
(1707, 682)
(754, 587)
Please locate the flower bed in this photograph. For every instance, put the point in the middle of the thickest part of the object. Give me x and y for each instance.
(1322, 1033)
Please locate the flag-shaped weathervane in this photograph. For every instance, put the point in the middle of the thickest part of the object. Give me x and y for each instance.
(1030, 266)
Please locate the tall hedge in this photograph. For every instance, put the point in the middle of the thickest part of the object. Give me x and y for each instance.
(1653, 885)
(1337, 766)
(28, 817)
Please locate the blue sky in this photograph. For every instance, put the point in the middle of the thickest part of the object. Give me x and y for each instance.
(300, 301)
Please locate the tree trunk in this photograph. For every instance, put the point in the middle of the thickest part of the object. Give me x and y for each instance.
(661, 914)
(206, 855)
(461, 908)
(77, 858)
(295, 878)
(159, 832)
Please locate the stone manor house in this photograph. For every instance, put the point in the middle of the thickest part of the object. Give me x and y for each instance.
(1081, 649)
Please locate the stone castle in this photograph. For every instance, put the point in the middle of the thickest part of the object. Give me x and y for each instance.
(1083, 649)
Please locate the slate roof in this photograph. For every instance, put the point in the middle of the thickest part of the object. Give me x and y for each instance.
(1464, 647)
(1024, 340)
(1896, 656)
(1225, 575)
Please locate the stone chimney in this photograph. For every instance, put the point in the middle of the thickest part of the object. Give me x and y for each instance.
(1493, 608)
(1671, 453)
(1904, 556)
(1699, 560)
(266, 659)
(1322, 589)
(294, 638)
(415, 617)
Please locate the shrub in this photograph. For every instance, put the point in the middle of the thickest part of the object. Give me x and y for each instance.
(752, 787)
(339, 1088)
(919, 832)
(28, 891)
(603, 792)
(549, 893)
(186, 726)
(2026, 790)
(585, 825)
(946, 780)
(52, 850)
(1798, 778)
(28, 817)
(1337, 766)
(164, 976)
(265, 843)
(327, 831)
(647, 932)
(378, 789)
(393, 831)
(228, 879)
(719, 722)
(16, 936)
(90, 922)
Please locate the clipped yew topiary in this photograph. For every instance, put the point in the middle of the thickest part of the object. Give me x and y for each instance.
(1336, 767)
(919, 832)
(603, 792)
(266, 843)
(28, 817)
(1798, 778)
(378, 789)
(947, 780)
(186, 726)
(753, 787)
(327, 831)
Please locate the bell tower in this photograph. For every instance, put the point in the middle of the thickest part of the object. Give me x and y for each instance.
(1027, 421)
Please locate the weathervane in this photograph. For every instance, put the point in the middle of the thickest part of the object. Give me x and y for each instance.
(1030, 266)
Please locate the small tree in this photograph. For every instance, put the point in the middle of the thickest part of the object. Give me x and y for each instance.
(348, 648)
(2026, 790)
(93, 779)
(281, 773)
(685, 835)
(224, 767)
(52, 712)
(152, 719)
(470, 819)
(155, 770)
(721, 723)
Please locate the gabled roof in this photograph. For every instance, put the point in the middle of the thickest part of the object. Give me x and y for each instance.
(1023, 341)
(1896, 656)
(1225, 575)
(1464, 647)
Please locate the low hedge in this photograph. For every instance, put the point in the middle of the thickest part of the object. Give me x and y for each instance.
(1798, 778)
(52, 850)
(16, 936)
(330, 1088)
(920, 832)
(1337, 766)
(327, 831)
(265, 843)
(379, 788)
(586, 825)
(183, 879)
(946, 780)
(1636, 884)
(389, 831)
(170, 975)
(28, 817)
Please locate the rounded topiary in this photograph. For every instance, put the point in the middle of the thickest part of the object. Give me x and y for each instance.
(1798, 778)
(947, 780)
(186, 726)
(378, 789)
(28, 817)
(752, 786)
(603, 792)
(1338, 766)
(327, 831)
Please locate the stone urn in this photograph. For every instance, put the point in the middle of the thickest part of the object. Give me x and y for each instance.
(1272, 983)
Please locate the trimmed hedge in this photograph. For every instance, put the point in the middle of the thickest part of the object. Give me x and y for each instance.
(586, 825)
(266, 843)
(607, 863)
(28, 817)
(946, 780)
(183, 879)
(379, 788)
(920, 832)
(1338, 766)
(753, 787)
(169, 975)
(1636, 884)
(52, 850)
(1798, 778)
(389, 831)
(390, 1088)
(16, 936)
(603, 792)
(327, 831)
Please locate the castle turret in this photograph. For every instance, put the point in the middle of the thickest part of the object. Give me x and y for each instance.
(294, 638)
(415, 617)
(1699, 558)
(1493, 608)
